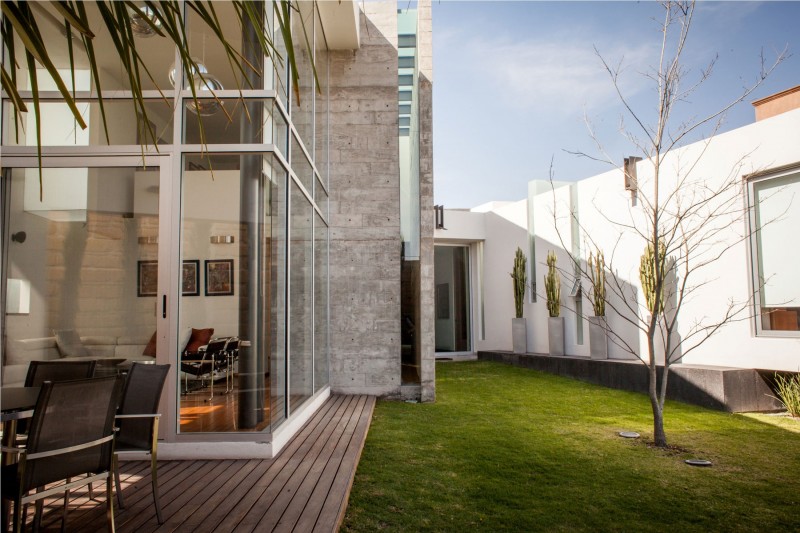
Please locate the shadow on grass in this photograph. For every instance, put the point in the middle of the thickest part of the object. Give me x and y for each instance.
(505, 448)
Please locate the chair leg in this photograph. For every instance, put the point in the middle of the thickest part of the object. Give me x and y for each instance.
(17, 520)
(64, 509)
(118, 485)
(37, 514)
(154, 479)
(109, 503)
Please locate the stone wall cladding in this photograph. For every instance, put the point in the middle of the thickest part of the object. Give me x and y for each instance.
(365, 210)
(425, 99)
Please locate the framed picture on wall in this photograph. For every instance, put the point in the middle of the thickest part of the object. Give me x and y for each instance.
(219, 277)
(147, 278)
(190, 278)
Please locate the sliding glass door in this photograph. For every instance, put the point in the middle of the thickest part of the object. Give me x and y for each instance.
(85, 262)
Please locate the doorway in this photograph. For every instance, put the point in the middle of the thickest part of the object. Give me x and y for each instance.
(452, 299)
(86, 254)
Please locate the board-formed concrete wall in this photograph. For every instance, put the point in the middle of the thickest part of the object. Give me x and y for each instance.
(365, 210)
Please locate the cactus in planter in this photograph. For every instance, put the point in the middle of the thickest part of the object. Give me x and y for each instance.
(520, 280)
(597, 271)
(552, 285)
(647, 275)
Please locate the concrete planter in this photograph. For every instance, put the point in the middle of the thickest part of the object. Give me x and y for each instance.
(598, 337)
(519, 335)
(555, 334)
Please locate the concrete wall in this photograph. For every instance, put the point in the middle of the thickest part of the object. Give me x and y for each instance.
(766, 144)
(365, 210)
(425, 111)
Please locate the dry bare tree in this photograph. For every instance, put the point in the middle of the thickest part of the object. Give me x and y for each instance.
(686, 219)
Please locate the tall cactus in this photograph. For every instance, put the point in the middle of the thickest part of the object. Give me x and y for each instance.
(552, 285)
(519, 276)
(647, 275)
(597, 271)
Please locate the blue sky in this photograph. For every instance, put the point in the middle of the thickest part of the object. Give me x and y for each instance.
(513, 82)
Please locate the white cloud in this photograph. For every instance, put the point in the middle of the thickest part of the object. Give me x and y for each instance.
(545, 74)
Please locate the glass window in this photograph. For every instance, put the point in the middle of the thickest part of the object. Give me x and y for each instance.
(248, 121)
(302, 167)
(224, 333)
(82, 270)
(274, 269)
(151, 49)
(207, 50)
(321, 106)
(777, 217)
(59, 127)
(303, 99)
(320, 304)
(301, 326)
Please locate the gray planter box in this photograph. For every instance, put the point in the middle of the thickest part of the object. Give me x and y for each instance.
(598, 337)
(519, 335)
(555, 334)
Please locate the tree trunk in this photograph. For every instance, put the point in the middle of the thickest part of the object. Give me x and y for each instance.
(659, 436)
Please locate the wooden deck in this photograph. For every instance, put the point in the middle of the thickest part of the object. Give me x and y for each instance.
(305, 488)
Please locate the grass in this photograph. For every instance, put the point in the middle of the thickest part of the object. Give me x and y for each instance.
(510, 449)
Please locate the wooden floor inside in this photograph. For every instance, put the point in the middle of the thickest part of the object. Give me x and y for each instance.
(305, 488)
(202, 412)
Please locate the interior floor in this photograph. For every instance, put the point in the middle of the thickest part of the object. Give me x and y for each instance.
(200, 412)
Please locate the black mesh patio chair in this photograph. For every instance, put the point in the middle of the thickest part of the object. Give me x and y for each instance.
(137, 420)
(204, 363)
(71, 434)
(41, 371)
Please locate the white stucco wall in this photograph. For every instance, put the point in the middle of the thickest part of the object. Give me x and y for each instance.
(602, 199)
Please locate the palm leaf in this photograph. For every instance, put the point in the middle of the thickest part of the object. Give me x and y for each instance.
(72, 18)
(26, 28)
(37, 118)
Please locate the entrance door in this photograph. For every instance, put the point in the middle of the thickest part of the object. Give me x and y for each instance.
(451, 277)
(86, 262)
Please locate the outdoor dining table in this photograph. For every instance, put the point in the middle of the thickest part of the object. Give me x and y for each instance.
(16, 403)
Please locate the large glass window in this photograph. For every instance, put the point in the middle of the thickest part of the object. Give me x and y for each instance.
(301, 315)
(250, 343)
(776, 217)
(320, 303)
(225, 359)
(81, 267)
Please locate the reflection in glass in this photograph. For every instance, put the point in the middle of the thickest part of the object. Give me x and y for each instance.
(301, 325)
(223, 203)
(320, 304)
(60, 129)
(274, 270)
(76, 256)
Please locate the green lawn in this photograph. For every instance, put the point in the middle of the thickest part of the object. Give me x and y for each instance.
(509, 449)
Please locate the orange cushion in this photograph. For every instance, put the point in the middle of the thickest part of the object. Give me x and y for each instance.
(150, 349)
(200, 337)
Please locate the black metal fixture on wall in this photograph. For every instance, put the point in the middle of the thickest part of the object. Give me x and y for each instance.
(439, 210)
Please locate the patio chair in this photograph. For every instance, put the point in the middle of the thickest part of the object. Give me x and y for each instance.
(41, 371)
(204, 363)
(137, 420)
(71, 433)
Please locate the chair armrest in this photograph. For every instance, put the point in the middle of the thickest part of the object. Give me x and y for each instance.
(6, 449)
(70, 449)
(144, 415)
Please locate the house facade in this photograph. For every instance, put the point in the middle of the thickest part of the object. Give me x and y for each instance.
(268, 217)
(756, 273)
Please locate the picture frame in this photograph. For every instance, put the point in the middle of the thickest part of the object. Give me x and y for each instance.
(147, 278)
(219, 277)
(190, 278)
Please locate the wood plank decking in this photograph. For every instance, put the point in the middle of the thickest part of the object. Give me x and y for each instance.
(305, 488)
